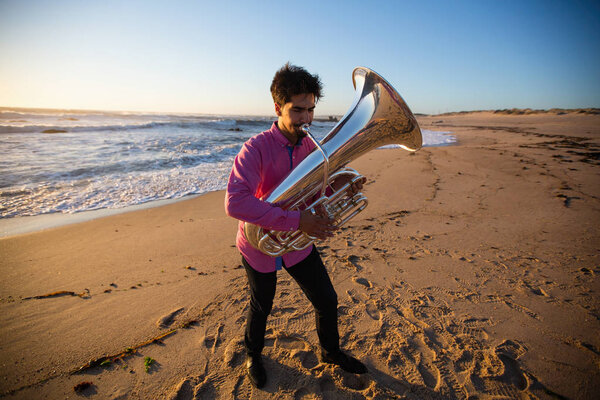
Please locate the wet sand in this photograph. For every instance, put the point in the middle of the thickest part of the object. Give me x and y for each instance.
(473, 273)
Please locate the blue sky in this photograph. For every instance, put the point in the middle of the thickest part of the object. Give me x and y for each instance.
(220, 56)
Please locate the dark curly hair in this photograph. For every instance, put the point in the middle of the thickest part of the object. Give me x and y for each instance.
(291, 80)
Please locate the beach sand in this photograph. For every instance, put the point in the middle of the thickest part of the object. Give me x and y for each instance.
(473, 274)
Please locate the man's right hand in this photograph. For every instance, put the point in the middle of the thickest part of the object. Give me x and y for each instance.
(318, 225)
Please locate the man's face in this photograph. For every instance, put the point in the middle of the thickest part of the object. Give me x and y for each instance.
(295, 113)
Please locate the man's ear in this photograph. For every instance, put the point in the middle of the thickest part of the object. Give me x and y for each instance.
(277, 110)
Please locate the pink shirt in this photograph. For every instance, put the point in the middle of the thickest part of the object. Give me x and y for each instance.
(262, 163)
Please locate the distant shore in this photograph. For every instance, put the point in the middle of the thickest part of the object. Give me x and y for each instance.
(529, 111)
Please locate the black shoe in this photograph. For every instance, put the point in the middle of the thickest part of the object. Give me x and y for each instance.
(256, 371)
(346, 362)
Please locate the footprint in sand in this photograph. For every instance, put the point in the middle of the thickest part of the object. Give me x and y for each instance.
(234, 354)
(299, 350)
(465, 362)
(167, 320)
(183, 391)
(522, 309)
(278, 312)
(430, 374)
(449, 377)
(343, 310)
(352, 295)
(403, 368)
(291, 343)
(363, 282)
(513, 377)
(292, 322)
(352, 262)
(307, 359)
(493, 298)
(470, 327)
(355, 382)
(511, 380)
(372, 311)
(206, 390)
(510, 349)
(212, 341)
(243, 388)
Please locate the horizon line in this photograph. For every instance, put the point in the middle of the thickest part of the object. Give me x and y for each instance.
(514, 110)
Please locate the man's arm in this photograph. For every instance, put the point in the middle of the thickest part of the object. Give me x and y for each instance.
(241, 203)
(240, 200)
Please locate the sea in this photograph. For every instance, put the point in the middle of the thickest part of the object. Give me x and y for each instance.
(66, 161)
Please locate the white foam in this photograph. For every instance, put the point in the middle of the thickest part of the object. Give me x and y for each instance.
(431, 139)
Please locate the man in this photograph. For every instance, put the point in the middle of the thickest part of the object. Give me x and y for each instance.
(262, 163)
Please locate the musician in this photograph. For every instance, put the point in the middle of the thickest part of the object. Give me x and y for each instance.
(262, 163)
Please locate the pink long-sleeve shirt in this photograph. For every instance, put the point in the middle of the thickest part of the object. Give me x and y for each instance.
(262, 163)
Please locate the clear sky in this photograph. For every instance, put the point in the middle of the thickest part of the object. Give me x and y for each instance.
(220, 56)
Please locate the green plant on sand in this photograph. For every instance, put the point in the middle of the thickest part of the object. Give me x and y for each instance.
(148, 361)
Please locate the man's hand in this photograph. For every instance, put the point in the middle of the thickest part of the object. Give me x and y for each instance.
(358, 185)
(354, 188)
(318, 225)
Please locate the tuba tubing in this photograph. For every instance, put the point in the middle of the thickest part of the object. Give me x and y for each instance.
(378, 116)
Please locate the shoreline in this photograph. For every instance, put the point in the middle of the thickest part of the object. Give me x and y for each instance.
(15, 226)
(473, 272)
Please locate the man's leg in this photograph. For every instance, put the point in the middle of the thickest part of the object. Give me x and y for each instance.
(312, 277)
(262, 292)
(314, 281)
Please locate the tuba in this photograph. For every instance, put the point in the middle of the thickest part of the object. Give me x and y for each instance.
(378, 116)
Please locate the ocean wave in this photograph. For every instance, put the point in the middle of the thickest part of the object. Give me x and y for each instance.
(155, 156)
(220, 124)
(115, 191)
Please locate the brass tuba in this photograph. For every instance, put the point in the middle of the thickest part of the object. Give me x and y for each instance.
(378, 116)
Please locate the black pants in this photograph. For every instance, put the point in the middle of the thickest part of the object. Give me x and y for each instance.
(311, 276)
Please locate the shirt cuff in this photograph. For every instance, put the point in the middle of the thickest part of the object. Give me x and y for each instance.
(294, 218)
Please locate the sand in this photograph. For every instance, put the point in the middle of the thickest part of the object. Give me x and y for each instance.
(473, 274)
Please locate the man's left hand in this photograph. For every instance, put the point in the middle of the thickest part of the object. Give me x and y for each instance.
(354, 188)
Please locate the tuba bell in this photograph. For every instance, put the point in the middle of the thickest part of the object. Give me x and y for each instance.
(378, 116)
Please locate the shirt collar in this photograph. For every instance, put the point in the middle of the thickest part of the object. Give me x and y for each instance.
(280, 137)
